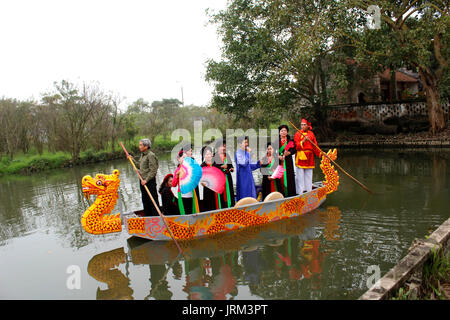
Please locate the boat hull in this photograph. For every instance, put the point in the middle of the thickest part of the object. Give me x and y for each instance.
(187, 227)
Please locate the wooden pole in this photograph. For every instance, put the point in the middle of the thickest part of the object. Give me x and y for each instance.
(163, 217)
(337, 165)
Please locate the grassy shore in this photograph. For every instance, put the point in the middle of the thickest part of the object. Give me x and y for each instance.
(34, 162)
(435, 280)
(435, 284)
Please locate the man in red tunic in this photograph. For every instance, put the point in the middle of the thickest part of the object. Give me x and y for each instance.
(304, 159)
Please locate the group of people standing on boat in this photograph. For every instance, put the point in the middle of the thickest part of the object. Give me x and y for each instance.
(189, 203)
(303, 146)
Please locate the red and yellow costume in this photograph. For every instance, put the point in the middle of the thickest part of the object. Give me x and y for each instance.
(305, 149)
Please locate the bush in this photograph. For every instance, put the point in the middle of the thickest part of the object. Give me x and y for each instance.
(29, 164)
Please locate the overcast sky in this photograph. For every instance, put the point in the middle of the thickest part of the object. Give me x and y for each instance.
(135, 48)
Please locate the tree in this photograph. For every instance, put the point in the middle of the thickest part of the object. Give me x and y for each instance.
(163, 117)
(38, 135)
(117, 121)
(157, 118)
(75, 115)
(10, 125)
(414, 33)
(277, 56)
(286, 53)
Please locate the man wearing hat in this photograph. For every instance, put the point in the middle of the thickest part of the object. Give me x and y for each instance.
(304, 158)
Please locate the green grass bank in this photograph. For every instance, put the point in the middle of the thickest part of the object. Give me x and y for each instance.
(34, 162)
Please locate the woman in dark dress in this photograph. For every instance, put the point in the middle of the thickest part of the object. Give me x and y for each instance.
(222, 160)
(211, 199)
(285, 152)
(169, 202)
(268, 166)
(188, 203)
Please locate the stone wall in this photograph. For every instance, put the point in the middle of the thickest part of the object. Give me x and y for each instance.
(380, 112)
(408, 117)
(390, 143)
(409, 269)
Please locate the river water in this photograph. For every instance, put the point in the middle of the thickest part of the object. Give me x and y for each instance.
(333, 252)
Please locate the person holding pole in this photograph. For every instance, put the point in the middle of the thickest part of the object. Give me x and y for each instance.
(148, 167)
(154, 202)
(335, 163)
(304, 158)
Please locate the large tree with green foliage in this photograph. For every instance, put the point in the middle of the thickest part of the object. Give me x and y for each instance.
(276, 56)
(281, 54)
(410, 33)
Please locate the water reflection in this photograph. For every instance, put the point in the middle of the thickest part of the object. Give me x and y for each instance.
(323, 255)
(261, 257)
(103, 268)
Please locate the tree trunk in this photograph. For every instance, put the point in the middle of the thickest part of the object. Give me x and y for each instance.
(323, 85)
(9, 148)
(114, 131)
(393, 85)
(39, 147)
(75, 152)
(113, 144)
(322, 128)
(435, 110)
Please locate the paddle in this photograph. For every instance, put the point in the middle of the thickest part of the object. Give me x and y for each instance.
(151, 197)
(342, 169)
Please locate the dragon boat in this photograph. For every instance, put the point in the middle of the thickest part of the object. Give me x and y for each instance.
(97, 219)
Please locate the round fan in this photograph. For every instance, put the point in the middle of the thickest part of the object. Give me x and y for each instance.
(213, 178)
(279, 171)
(191, 172)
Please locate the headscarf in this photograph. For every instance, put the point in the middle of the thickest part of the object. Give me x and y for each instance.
(166, 178)
(304, 121)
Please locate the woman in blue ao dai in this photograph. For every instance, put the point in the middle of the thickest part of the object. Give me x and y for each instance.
(245, 185)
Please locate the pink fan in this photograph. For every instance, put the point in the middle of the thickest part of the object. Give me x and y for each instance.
(279, 171)
(213, 178)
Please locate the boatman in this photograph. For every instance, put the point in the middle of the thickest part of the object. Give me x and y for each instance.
(304, 158)
(148, 167)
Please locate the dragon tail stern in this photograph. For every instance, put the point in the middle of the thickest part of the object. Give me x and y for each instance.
(331, 175)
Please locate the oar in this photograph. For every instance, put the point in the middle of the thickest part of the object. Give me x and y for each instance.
(151, 197)
(342, 169)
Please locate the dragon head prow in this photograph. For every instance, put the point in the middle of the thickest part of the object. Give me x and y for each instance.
(102, 184)
(97, 218)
